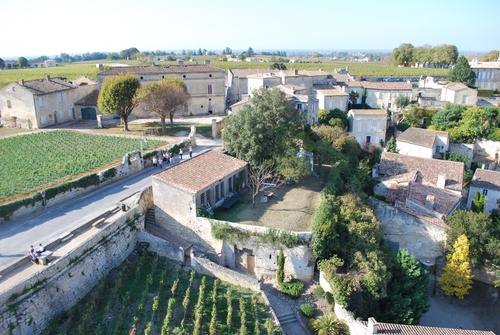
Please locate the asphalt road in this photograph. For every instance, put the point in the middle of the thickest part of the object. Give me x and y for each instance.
(45, 226)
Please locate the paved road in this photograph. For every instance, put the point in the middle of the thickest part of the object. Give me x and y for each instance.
(43, 227)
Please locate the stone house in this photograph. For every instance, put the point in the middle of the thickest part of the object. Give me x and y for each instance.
(204, 82)
(424, 187)
(383, 94)
(458, 93)
(41, 103)
(368, 125)
(487, 74)
(302, 101)
(423, 143)
(486, 182)
(330, 97)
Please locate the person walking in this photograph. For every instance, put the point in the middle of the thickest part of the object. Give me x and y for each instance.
(190, 152)
(155, 161)
(160, 162)
(180, 153)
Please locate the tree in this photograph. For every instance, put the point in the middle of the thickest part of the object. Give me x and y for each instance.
(278, 66)
(227, 51)
(492, 56)
(164, 98)
(118, 95)
(448, 116)
(264, 130)
(402, 101)
(23, 62)
(280, 271)
(353, 97)
(250, 52)
(457, 275)
(403, 55)
(328, 324)
(478, 202)
(2, 64)
(391, 145)
(462, 72)
(407, 299)
(261, 178)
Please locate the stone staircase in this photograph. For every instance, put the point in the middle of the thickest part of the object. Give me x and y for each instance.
(287, 318)
(150, 218)
(431, 290)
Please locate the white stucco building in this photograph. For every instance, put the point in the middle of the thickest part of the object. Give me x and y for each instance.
(486, 182)
(423, 143)
(368, 125)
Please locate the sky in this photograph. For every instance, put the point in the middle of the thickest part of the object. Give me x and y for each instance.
(32, 28)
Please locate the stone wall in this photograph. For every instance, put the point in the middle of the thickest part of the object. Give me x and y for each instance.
(28, 307)
(418, 236)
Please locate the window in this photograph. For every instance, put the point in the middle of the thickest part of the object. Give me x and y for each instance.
(378, 126)
(59, 98)
(369, 127)
(40, 101)
(360, 127)
(330, 104)
(465, 99)
(389, 105)
(217, 190)
(61, 115)
(8, 104)
(230, 184)
(368, 139)
(202, 199)
(44, 120)
(485, 192)
(341, 103)
(209, 88)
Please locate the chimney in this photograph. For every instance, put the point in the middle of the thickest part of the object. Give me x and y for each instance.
(441, 182)
(21, 82)
(372, 326)
(207, 61)
(429, 202)
(47, 77)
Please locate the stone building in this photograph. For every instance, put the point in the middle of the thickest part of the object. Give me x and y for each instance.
(383, 94)
(41, 103)
(458, 93)
(487, 74)
(331, 97)
(368, 125)
(423, 143)
(204, 82)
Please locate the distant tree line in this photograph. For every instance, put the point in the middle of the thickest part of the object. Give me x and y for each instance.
(441, 56)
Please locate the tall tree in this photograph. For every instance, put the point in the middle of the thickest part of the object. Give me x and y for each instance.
(462, 72)
(402, 101)
(353, 97)
(2, 64)
(403, 55)
(265, 129)
(478, 202)
(22, 62)
(118, 95)
(164, 98)
(457, 276)
(492, 56)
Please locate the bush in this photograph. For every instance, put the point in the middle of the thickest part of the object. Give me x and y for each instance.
(330, 301)
(307, 310)
(318, 292)
(292, 288)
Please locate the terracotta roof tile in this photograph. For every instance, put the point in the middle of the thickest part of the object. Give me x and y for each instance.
(421, 137)
(486, 179)
(393, 165)
(201, 171)
(399, 329)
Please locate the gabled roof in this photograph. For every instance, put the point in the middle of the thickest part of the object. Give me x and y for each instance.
(399, 329)
(376, 85)
(379, 112)
(47, 85)
(456, 86)
(444, 201)
(201, 171)
(486, 179)
(329, 90)
(160, 69)
(393, 166)
(421, 137)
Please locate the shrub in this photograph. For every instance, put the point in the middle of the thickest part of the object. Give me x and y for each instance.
(330, 301)
(307, 310)
(318, 292)
(292, 288)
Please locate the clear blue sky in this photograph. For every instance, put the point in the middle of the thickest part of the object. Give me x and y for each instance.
(33, 27)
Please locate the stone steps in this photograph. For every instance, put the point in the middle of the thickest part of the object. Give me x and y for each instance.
(150, 217)
(287, 318)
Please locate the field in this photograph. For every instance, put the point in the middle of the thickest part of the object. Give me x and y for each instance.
(39, 159)
(75, 70)
(152, 295)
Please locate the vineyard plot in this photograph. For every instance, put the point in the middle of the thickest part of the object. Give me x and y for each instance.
(32, 160)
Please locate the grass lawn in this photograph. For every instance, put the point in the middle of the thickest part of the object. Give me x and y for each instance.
(291, 207)
(126, 298)
(138, 129)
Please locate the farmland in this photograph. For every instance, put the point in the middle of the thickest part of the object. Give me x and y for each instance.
(75, 70)
(38, 159)
(148, 294)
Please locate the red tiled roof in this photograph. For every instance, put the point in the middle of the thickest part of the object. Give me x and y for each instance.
(419, 136)
(393, 165)
(201, 171)
(399, 329)
(486, 179)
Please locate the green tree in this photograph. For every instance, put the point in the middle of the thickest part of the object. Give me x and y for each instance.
(118, 95)
(129, 53)
(336, 114)
(164, 98)
(266, 129)
(448, 116)
(280, 271)
(474, 124)
(22, 62)
(391, 145)
(462, 72)
(457, 275)
(227, 51)
(328, 324)
(403, 55)
(402, 101)
(353, 97)
(492, 56)
(278, 66)
(478, 202)
(407, 300)
(2, 64)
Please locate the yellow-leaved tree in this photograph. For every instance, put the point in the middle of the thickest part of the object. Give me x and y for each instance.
(457, 277)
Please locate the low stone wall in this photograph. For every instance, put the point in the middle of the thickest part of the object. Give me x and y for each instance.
(160, 246)
(28, 307)
(217, 127)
